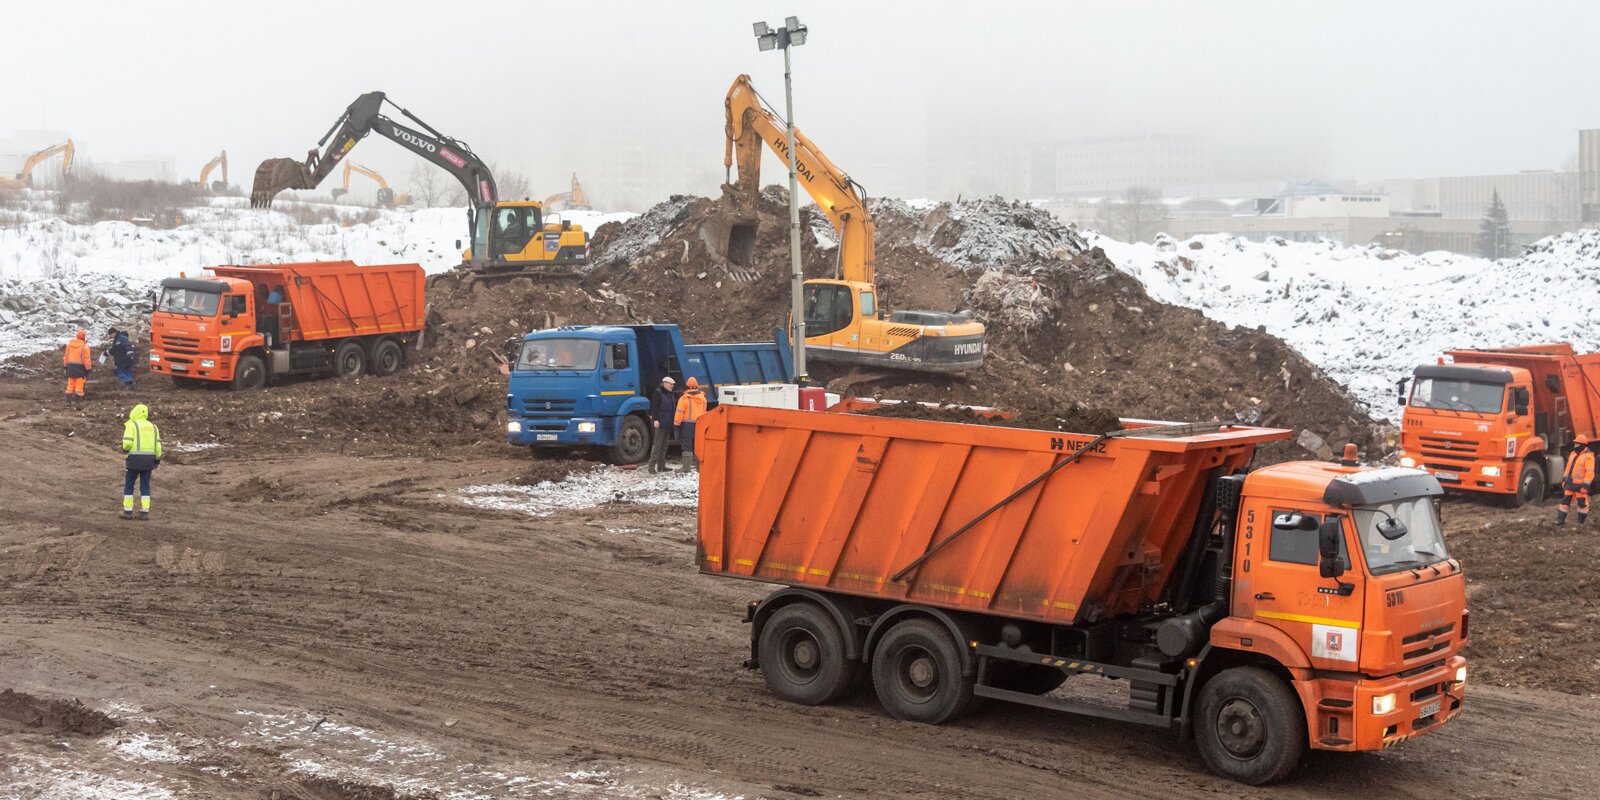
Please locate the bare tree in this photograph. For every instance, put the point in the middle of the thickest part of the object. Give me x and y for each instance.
(513, 185)
(1135, 217)
(427, 185)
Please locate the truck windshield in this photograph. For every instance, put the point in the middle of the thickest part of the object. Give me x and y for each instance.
(560, 354)
(1421, 545)
(189, 301)
(1458, 395)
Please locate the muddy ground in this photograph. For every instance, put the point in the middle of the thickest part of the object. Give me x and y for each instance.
(318, 616)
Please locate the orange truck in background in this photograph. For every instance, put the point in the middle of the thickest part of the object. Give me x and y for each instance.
(247, 326)
(1500, 422)
(1262, 612)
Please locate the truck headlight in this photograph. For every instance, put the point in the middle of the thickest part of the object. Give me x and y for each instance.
(1461, 674)
(155, 357)
(1382, 704)
(1407, 461)
(207, 363)
(1491, 471)
(514, 426)
(586, 427)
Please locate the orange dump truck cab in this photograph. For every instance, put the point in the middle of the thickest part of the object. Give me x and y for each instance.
(248, 325)
(1299, 605)
(1499, 422)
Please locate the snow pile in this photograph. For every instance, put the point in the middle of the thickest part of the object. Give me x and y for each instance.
(640, 235)
(986, 233)
(41, 314)
(227, 232)
(588, 490)
(1369, 315)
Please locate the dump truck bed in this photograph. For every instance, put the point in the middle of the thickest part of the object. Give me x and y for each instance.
(844, 501)
(338, 299)
(740, 363)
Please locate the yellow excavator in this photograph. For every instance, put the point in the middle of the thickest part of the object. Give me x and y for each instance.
(508, 238)
(24, 178)
(571, 200)
(205, 174)
(387, 197)
(845, 319)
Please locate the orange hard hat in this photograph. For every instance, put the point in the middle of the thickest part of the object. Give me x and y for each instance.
(82, 335)
(1580, 439)
(692, 383)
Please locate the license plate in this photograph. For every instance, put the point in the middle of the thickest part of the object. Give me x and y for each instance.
(544, 437)
(178, 368)
(1429, 709)
(1447, 476)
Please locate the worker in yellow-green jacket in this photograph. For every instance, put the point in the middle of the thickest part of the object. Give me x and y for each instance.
(141, 440)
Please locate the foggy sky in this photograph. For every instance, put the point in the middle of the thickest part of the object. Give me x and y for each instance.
(1386, 89)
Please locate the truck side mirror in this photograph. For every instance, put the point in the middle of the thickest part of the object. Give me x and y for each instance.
(1329, 535)
(1520, 399)
(1400, 389)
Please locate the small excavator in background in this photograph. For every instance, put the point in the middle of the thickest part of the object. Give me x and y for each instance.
(508, 238)
(845, 321)
(571, 200)
(205, 174)
(387, 197)
(24, 179)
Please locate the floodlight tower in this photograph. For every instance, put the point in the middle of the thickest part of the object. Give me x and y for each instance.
(791, 34)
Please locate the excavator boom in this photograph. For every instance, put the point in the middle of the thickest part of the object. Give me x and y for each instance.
(25, 178)
(365, 116)
(843, 201)
(205, 172)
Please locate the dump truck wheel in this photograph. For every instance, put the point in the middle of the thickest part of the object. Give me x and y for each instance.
(1530, 487)
(1250, 726)
(1025, 678)
(350, 360)
(249, 374)
(633, 442)
(917, 672)
(387, 358)
(803, 656)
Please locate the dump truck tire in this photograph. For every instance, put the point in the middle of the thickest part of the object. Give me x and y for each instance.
(1250, 727)
(633, 442)
(249, 374)
(917, 672)
(1530, 487)
(387, 358)
(802, 654)
(350, 360)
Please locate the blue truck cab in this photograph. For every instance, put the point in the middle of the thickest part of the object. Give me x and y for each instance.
(589, 385)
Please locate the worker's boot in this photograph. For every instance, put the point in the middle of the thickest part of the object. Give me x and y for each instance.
(1561, 517)
(127, 513)
(144, 516)
(1582, 515)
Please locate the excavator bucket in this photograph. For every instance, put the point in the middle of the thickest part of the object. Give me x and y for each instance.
(275, 175)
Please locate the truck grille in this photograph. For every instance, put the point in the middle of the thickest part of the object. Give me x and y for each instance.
(553, 406)
(1425, 644)
(1442, 447)
(180, 344)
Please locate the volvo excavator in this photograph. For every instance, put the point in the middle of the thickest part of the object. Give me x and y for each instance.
(387, 197)
(571, 200)
(844, 316)
(24, 178)
(205, 174)
(508, 238)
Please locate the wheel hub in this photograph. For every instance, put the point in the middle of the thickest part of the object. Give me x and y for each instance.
(922, 672)
(1240, 729)
(805, 654)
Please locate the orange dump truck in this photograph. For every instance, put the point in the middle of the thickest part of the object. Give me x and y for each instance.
(1500, 422)
(1263, 612)
(248, 325)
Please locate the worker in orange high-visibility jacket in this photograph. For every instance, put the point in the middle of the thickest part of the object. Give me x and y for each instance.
(78, 366)
(1576, 480)
(690, 407)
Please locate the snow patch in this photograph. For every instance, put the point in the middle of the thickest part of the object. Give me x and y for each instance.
(588, 490)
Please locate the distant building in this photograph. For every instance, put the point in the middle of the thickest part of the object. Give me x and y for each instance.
(1589, 175)
(16, 146)
(1176, 165)
(1544, 195)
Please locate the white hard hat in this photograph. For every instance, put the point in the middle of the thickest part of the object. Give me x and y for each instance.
(668, 379)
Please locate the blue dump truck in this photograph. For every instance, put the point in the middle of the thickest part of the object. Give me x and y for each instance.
(588, 386)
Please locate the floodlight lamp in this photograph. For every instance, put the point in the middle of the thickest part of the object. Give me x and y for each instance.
(762, 29)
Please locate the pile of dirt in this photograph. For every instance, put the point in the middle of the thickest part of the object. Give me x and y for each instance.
(1064, 324)
(1072, 418)
(25, 713)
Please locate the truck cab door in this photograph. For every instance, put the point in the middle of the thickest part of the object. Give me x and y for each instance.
(236, 319)
(619, 375)
(1278, 582)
